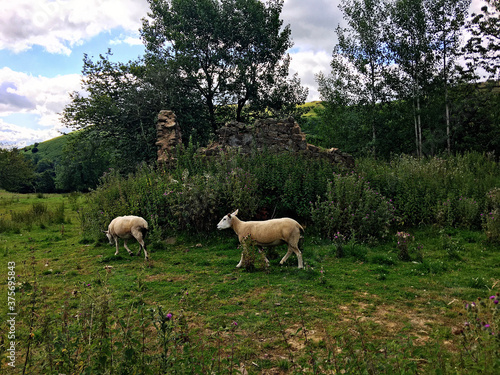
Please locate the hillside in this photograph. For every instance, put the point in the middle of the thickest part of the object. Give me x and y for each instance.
(51, 149)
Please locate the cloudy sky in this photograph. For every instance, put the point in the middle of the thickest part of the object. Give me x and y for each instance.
(42, 43)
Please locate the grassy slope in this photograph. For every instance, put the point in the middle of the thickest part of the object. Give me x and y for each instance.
(371, 289)
(51, 149)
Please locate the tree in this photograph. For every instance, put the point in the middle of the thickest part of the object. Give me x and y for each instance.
(16, 170)
(411, 47)
(360, 62)
(483, 47)
(85, 159)
(227, 52)
(447, 20)
(118, 108)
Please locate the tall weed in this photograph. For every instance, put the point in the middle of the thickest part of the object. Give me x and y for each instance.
(448, 191)
(352, 208)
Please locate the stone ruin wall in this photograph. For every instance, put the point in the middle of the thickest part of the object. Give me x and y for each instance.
(268, 134)
(168, 136)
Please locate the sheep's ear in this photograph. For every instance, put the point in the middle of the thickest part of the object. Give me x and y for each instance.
(235, 213)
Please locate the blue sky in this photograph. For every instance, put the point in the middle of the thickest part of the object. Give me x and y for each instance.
(42, 43)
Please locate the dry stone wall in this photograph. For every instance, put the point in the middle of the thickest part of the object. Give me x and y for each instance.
(274, 136)
(266, 135)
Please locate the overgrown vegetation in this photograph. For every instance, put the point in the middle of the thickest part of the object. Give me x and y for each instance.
(188, 310)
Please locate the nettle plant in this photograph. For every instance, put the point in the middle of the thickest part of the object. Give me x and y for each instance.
(352, 208)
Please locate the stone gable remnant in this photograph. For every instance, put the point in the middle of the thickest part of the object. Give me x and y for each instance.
(168, 134)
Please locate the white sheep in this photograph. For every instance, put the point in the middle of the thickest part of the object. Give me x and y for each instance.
(267, 233)
(127, 227)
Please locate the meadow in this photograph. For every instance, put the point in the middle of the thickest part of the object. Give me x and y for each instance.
(421, 299)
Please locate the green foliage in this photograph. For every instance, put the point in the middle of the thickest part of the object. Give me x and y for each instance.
(227, 53)
(38, 214)
(196, 193)
(479, 334)
(253, 257)
(446, 191)
(17, 171)
(352, 208)
(83, 162)
(491, 219)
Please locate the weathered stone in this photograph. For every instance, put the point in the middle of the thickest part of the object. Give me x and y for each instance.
(272, 135)
(168, 134)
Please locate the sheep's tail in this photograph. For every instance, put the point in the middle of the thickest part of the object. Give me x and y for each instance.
(144, 231)
(301, 238)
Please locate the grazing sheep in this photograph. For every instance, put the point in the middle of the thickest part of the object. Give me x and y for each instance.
(128, 227)
(267, 233)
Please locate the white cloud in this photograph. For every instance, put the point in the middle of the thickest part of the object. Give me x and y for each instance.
(16, 136)
(42, 96)
(131, 41)
(307, 64)
(59, 25)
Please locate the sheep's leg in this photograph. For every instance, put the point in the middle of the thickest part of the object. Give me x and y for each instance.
(292, 249)
(116, 243)
(126, 247)
(299, 257)
(143, 247)
(241, 261)
(288, 253)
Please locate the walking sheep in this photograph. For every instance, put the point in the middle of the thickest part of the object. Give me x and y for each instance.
(127, 227)
(267, 233)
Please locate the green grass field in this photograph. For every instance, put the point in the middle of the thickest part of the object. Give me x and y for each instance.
(81, 309)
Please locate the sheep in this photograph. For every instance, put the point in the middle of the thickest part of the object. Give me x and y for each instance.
(128, 227)
(266, 233)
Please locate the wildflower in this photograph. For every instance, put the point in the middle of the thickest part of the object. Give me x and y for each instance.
(169, 316)
(492, 297)
(235, 324)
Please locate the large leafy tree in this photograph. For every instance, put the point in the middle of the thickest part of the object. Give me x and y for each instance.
(117, 106)
(411, 46)
(225, 52)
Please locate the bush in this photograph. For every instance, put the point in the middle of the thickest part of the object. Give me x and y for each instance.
(195, 193)
(446, 191)
(491, 220)
(351, 207)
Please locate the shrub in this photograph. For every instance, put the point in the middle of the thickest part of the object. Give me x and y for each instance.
(351, 207)
(253, 256)
(421, 188)
(403, 241)
(491, 220)
(460, 212)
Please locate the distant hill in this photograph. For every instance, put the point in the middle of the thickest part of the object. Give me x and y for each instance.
(51, 149)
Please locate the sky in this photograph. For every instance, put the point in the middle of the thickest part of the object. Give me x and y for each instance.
(42, 44)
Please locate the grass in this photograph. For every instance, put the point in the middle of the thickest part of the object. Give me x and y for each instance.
(365, 312)
(51, 149)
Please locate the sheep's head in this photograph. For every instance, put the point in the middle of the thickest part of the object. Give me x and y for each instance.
(226, 221)
(110, 237)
